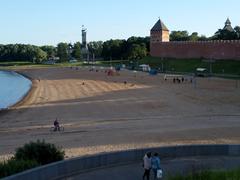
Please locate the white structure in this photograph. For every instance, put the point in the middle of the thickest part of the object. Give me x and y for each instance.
(145, 67)
(84, 50)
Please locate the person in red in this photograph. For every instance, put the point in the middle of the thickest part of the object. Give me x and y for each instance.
(56, 125)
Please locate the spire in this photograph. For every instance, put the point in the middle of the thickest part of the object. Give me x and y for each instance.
(228, 22)
(159, 26)
(228, 26)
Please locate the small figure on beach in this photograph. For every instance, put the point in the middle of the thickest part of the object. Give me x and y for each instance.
(182, 79)
(56, 125)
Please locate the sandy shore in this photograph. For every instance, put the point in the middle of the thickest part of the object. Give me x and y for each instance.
(101, 113)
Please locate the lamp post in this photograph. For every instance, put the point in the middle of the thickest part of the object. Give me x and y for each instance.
(162, 65)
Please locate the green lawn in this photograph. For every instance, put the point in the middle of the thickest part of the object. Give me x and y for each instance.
(26, 64)
(223, 68)
(15, 63)
(210, 175)
(189, 65)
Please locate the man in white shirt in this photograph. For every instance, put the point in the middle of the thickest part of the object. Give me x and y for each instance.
(147, 165)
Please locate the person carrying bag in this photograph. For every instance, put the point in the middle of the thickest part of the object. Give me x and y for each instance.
(157, 171)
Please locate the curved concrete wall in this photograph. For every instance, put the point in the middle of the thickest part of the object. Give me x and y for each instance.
(73, 166)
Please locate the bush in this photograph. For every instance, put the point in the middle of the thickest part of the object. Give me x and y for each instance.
(14, 166)
(41, 152)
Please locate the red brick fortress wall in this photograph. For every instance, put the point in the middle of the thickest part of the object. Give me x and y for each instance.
(199, 49)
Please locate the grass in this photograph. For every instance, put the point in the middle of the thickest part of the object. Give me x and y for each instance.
(210, 175)
(229, 67)
(15, 63)
(221, 68)
(13, 166)
(26, 64)
(29, 156)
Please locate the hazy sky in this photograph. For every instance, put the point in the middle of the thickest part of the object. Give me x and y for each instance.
(42, 22)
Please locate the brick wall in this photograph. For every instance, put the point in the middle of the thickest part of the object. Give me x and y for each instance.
(201, 49)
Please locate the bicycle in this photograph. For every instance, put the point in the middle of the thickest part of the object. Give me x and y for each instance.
(54, 129)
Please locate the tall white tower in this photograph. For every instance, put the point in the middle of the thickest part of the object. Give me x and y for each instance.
(84, 37)
(85, 52)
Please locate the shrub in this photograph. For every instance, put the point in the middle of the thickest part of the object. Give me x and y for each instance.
(41, 152)
(14, 166)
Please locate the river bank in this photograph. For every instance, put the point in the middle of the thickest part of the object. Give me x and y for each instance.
(14, 88)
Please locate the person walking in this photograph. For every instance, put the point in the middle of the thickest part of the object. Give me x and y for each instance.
(147, 165)
(155, 163)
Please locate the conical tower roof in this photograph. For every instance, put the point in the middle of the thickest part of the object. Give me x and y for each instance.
(228, 26)
(228, 22)
(159, 26)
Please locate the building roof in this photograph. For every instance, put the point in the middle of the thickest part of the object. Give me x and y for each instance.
(159, 26)
(228, 26)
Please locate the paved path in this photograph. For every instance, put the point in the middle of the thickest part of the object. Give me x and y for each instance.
(134, 171)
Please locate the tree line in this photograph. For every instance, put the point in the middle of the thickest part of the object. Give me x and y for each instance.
(21, 52)
(221, 34)
(132, 48)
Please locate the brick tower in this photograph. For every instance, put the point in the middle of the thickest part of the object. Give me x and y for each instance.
(159, 32)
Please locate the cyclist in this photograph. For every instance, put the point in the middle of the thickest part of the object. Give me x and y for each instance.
(56, 125)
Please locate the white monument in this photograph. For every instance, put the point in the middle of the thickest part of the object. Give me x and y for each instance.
(84, 50)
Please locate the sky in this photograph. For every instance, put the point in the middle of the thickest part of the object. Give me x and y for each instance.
(48, 22)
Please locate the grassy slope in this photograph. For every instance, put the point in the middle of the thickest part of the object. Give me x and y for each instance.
(190, 65)
(21, 65)
(210, 175)
(176, 65)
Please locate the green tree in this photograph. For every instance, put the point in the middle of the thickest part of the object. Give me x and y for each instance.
(96, 48)
(237, 31)
(224, 34)
(137, 51)
(76, 53)
(13, 166)
(179, 36)
(139, 40)
(193, 37)
(39, 55)
(62, 51)
(21, 52)
(50, 50)
(113, 49)
(40, 151)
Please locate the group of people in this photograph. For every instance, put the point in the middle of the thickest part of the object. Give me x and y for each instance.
(178, 80)
(151, 163)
